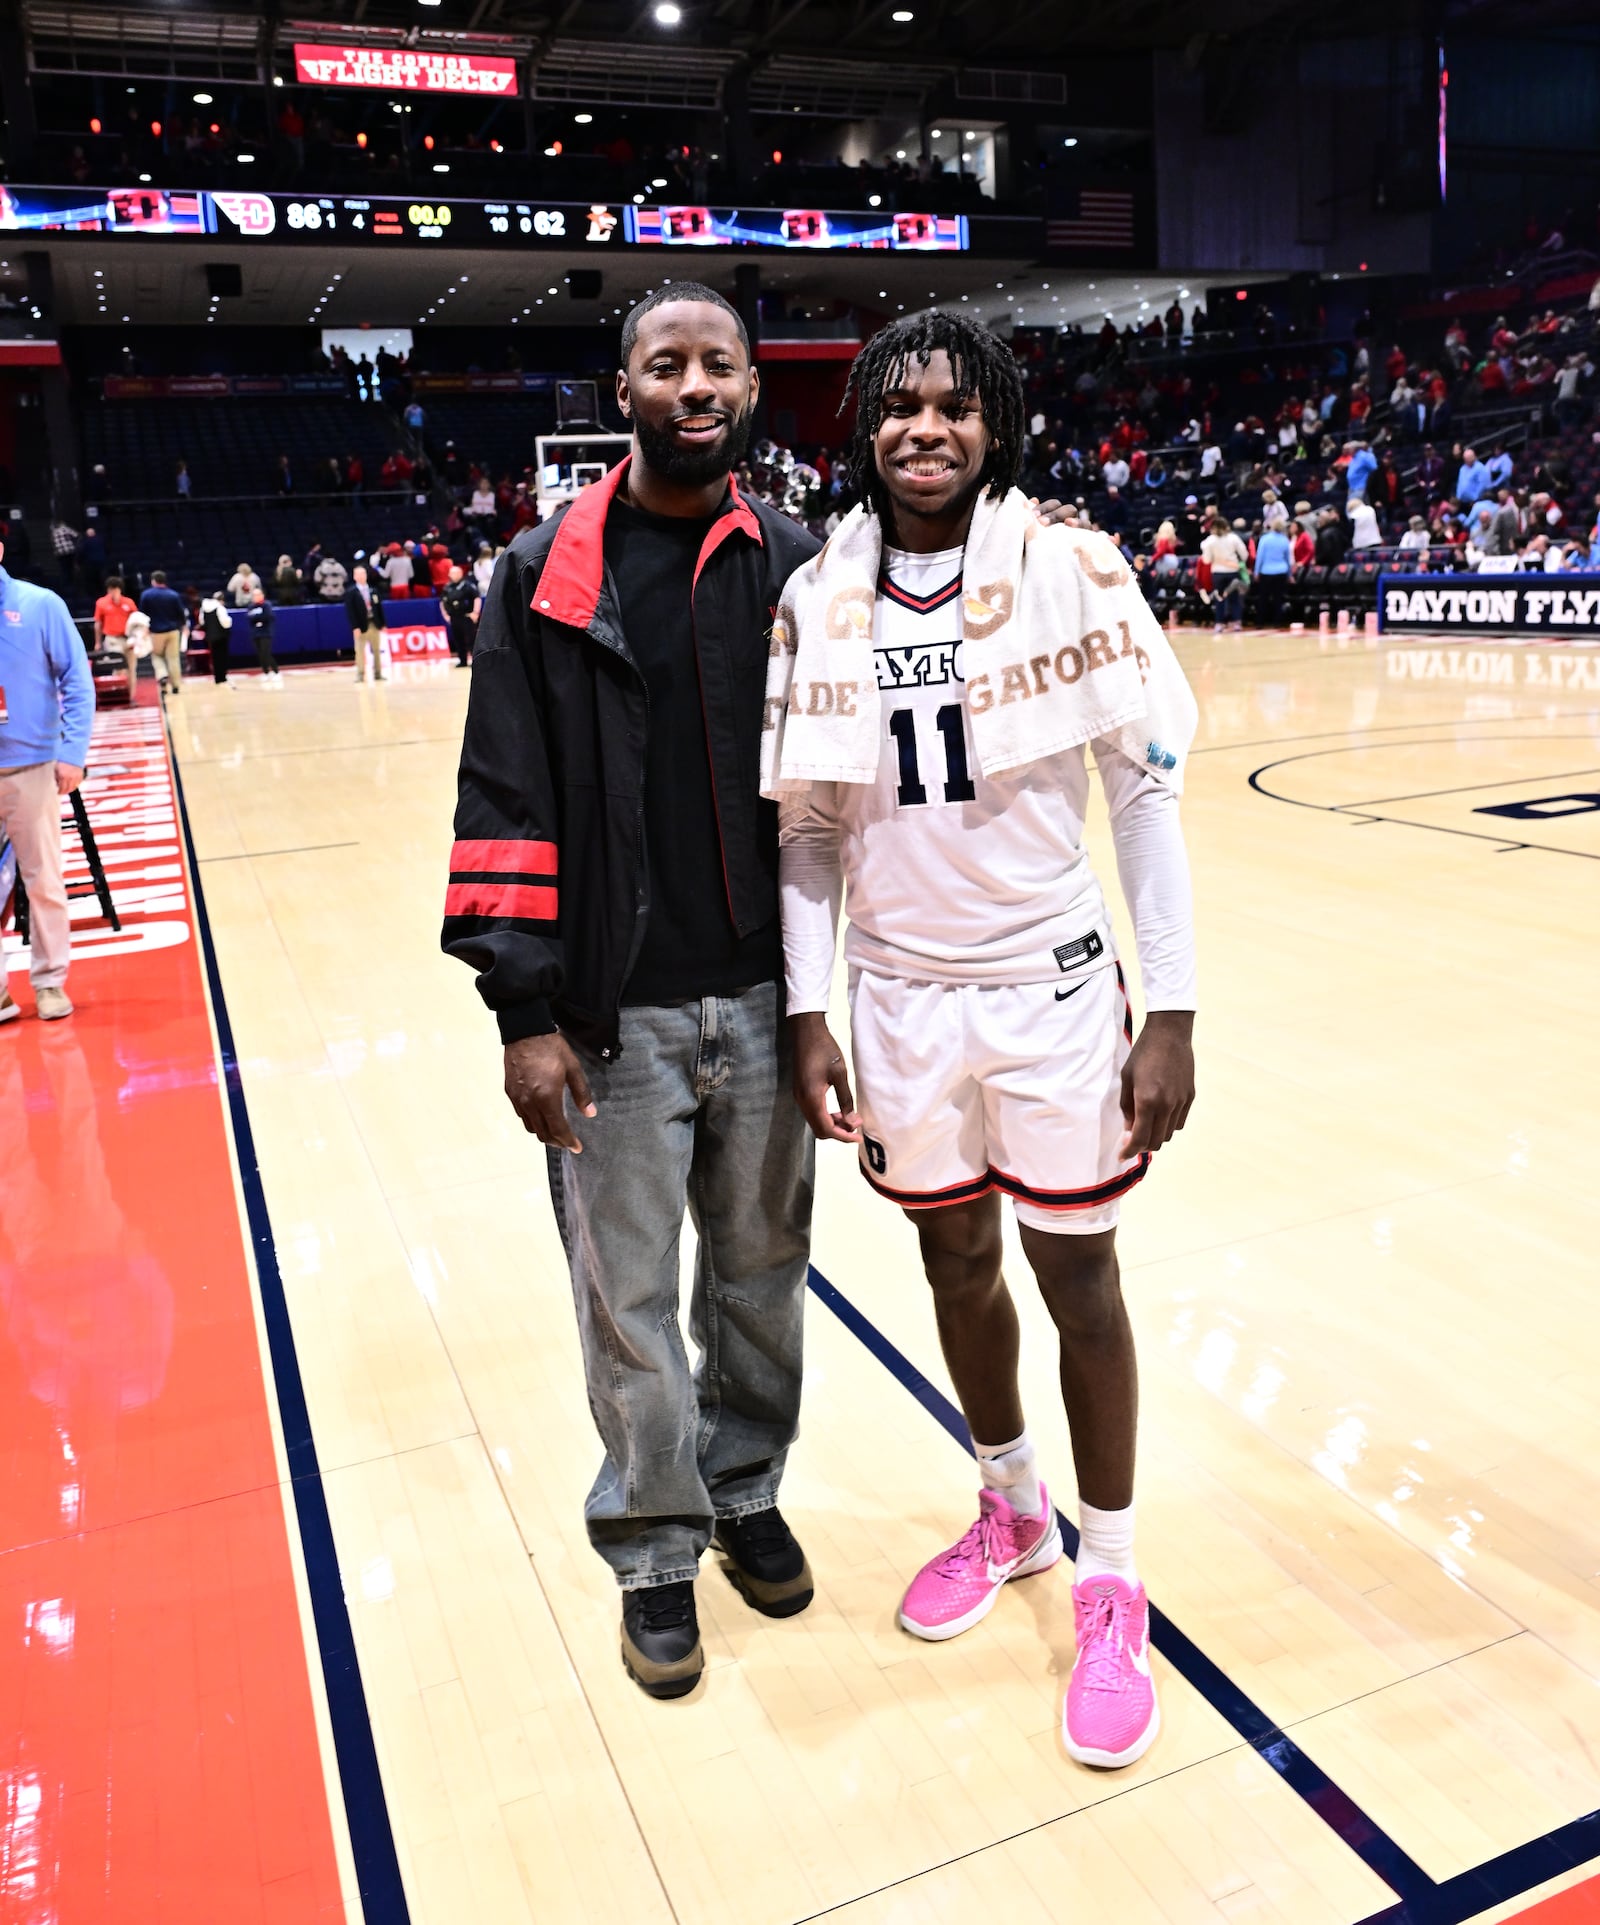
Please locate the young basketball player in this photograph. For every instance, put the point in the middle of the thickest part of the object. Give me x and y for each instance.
(937, 673)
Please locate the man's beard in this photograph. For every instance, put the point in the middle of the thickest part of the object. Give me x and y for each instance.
(665, 456)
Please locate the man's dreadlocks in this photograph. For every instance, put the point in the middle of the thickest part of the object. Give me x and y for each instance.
(982, 365)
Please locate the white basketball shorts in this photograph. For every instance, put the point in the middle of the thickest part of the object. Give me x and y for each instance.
(969, 1088)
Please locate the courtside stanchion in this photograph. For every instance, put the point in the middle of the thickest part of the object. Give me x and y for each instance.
(102, 888)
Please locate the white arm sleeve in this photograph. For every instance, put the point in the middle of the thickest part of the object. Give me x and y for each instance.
(1154, 867)
(810, 885)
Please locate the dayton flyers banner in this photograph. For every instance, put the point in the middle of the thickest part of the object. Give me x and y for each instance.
(413, 69)
(1488, 604)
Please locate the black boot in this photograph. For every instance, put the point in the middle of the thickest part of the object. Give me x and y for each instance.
(661, 1639)
(765, 1564)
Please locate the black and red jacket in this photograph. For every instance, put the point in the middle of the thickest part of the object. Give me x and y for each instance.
(548, 892)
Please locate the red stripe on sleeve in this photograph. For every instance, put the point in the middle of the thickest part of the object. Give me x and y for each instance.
(506, 858)
(500, 899)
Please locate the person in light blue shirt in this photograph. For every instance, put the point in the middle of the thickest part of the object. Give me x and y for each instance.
(1473, 479)
(1498, 468)
(46, 712)
(1363, 466)
(1274, 558)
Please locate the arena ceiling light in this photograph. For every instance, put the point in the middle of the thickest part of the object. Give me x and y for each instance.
(440, 166)
(668, 15)
(1070, 141)
(202, 100)
(245, 159)
(901, 15)
(582, 120)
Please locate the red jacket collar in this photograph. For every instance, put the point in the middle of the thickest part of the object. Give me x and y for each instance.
(569, 583)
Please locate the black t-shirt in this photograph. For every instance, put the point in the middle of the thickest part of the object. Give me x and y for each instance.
(690, 948)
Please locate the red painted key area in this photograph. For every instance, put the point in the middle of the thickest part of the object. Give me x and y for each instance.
(159, 1763)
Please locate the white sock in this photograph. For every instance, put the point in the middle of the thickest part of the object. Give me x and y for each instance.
(1105, 1544)
(1009, 1469)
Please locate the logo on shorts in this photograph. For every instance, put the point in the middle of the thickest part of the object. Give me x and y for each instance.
(1087, 949)
(13, 614)
(877, 1157)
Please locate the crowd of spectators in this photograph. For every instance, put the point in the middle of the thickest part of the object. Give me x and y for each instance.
(1250, 472)
(1183, 444)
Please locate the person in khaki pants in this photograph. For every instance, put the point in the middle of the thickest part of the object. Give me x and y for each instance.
(363, 607)
(46, 712)
(168, 620)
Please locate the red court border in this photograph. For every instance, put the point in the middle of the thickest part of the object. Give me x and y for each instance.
(162, 1765)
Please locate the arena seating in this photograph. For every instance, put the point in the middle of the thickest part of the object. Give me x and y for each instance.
(497, 431)
(202, 545)
(231, 445)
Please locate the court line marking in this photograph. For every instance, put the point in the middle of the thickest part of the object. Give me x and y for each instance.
(305, 849)
(372, 1846)
(1360, 812)
(1421, 1900)
(325, 748)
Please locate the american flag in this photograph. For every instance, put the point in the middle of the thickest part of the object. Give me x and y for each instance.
(1104, 219)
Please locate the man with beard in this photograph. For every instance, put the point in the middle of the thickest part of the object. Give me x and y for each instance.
(614, 883)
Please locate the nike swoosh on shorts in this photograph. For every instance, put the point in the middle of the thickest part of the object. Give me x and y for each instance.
(1063, 994)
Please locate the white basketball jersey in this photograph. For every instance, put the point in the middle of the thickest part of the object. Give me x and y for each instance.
(951, 876)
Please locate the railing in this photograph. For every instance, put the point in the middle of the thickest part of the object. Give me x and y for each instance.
(347, 496)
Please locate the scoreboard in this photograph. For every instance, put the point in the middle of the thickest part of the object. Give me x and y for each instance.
(374, 222)
(346, 220)
(810, 228)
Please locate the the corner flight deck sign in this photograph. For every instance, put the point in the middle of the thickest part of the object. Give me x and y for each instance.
(405, 69)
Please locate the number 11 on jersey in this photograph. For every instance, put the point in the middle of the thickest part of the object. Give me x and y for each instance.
(958, 782)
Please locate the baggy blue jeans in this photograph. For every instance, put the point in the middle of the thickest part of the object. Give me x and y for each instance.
(695, 1113)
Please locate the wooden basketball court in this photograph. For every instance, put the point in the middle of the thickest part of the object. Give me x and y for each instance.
(1363, 1282)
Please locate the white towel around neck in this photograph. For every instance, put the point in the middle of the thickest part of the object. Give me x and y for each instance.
(1060, 647)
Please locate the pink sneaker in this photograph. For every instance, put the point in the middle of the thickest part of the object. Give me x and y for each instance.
(950, 1594)
(1111, 1716)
